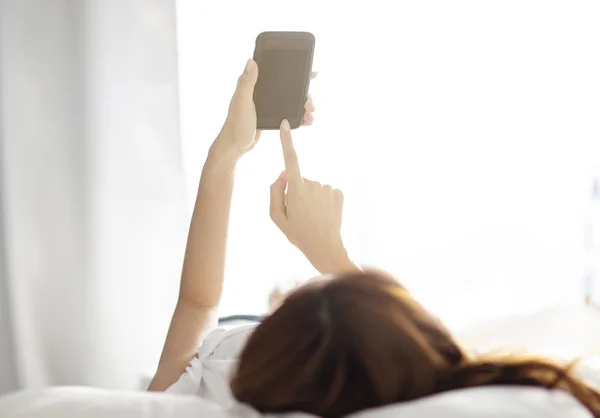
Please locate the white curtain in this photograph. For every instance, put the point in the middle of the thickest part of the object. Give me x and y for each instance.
(464, 133)
(93, 213)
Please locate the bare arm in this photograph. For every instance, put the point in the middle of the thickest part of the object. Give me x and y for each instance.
(203, 270)
(204, 265)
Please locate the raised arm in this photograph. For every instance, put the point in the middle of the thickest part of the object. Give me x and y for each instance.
(204, 264)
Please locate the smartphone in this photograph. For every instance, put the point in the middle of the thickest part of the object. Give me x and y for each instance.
(284, 68)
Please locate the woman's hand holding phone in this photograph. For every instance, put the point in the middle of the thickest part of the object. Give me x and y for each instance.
(239, 134)
(309, 214)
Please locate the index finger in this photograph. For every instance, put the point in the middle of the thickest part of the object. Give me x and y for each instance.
(292, 168)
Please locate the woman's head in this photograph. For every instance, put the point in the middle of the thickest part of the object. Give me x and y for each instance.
(341, 345)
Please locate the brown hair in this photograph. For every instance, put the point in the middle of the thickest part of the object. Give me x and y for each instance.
(338, 346)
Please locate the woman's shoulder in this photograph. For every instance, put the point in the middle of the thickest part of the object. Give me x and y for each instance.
(209, 372)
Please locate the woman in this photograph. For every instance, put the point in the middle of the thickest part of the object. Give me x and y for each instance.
(348, 341)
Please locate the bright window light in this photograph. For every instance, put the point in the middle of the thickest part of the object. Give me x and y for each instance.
(464, 134)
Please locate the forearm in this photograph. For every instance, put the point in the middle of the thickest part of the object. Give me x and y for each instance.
(190, 323)
(203, 268)
(204, 263)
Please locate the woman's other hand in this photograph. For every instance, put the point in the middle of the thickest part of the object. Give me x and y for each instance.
(309, 214)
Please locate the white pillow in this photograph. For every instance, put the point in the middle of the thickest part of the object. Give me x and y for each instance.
(469, 403)
(208, 375)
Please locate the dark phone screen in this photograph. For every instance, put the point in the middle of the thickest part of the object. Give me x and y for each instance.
(280, 88)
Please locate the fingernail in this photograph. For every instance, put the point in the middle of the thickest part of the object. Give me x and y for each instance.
(285, 125)
(249, 65)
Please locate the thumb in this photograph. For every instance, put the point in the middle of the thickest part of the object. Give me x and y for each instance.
(247, 80)
(278, 209)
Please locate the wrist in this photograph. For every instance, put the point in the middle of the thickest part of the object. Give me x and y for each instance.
(224, 147)
(335, 263)
(222, 155)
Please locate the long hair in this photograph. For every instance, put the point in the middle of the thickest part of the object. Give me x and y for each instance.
(341, 345)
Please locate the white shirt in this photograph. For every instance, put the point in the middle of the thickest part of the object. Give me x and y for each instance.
(209, 373)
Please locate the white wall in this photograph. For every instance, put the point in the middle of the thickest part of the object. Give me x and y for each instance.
(464, 134)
